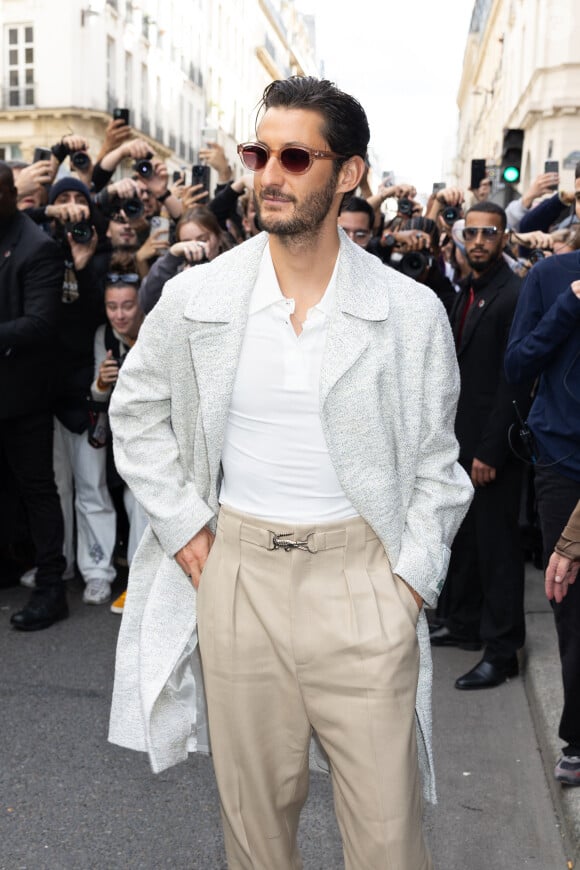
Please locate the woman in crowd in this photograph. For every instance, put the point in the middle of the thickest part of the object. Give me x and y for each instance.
(200, 239)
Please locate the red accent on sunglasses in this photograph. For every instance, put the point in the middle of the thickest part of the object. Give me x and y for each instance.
(296, 159)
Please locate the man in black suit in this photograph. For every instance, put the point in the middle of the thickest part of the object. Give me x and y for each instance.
(31, 276)
(483, 596)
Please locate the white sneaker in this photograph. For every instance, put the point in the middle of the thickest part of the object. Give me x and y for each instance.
(28, 579)
(97, 592)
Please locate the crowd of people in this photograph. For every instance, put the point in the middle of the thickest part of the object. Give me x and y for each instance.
(86, 248)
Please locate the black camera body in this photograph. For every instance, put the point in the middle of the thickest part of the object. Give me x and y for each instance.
(450, 214)
(81, 231)
(144, 167)
(413, 264)
(536, 255)
(80, 160)
(112, 205)
(405, 206)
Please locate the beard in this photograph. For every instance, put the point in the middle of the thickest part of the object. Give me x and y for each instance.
(308, 214)
(482, 264)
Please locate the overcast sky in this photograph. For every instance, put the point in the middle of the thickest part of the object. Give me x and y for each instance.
(403, 61)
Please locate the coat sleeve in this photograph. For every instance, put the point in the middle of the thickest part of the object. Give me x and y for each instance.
(442, 490)
(536, 334)
(151, 288)
(569, 542)
(493, 446)
(146, 450)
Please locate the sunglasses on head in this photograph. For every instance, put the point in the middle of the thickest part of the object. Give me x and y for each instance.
(119, 278)
(471, 233)
(296, 159)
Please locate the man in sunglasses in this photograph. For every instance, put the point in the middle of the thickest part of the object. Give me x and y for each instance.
(482, 602)
(307, 395)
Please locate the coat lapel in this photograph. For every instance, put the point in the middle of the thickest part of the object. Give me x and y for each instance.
(358, 300)
(483, 300)
(218, 311)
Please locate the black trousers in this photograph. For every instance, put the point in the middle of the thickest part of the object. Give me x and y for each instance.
(26, 443)
(557, 496)
(483, 597)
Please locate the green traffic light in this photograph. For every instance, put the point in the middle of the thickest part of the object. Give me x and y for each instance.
(511, 174)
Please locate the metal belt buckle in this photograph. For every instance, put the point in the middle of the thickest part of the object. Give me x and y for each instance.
(280, 541)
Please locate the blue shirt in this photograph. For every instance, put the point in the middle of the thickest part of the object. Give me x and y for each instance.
(544, 342)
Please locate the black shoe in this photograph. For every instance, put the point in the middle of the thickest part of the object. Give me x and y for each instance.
(42, 610)
(443, 637)
(485, 675)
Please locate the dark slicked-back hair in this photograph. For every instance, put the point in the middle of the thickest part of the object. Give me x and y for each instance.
(489, 208)
(358, 204)
(345, 128)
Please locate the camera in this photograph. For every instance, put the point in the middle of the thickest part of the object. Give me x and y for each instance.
(450, 214)
(80, 159)
(81, 231)
(112, 205)
(405, 206)
(144, 167)
(413, 264)
(132, 207)
(536, 255)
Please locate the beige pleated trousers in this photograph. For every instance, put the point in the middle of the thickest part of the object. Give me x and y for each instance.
(319, 638)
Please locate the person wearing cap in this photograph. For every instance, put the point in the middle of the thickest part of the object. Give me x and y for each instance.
(80, 469)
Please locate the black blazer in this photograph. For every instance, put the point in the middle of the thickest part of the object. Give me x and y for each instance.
(31, 279)
(485, 411)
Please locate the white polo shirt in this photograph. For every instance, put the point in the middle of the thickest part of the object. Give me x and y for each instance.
(275, 459)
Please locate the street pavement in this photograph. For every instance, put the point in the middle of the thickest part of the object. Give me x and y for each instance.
(71, 801)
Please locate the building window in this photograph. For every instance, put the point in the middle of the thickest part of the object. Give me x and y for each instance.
(19, 65)
(10, 152)
(128, 79)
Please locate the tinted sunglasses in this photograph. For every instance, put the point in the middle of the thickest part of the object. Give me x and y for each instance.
(119, 278)
(471, 233)
(296, 159)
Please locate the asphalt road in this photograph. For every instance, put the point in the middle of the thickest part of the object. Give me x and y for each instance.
(71, 801)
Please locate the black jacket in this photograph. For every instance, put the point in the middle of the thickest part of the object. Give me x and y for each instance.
(485, 411)
(31, 276)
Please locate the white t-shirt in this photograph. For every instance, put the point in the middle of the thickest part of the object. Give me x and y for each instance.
(275, 459)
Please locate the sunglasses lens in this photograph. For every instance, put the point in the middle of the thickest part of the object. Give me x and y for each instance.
(255, 157)
(295, 159)
(471, 233)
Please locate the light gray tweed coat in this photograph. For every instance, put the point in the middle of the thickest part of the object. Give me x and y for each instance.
(388, 391)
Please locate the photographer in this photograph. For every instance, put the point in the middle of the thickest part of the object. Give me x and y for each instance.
(445, 207)
(78, 472)
(558, 212)
(199, 240)
(415, 252)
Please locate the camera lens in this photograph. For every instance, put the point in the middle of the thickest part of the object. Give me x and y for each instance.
(414, 264)
(535, 255)
(144, 168)
(451, 214)
(405, 206)
(81, 232)
(80, 159)
(133, 207)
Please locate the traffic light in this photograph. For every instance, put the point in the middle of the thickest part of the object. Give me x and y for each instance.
(511, 157)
